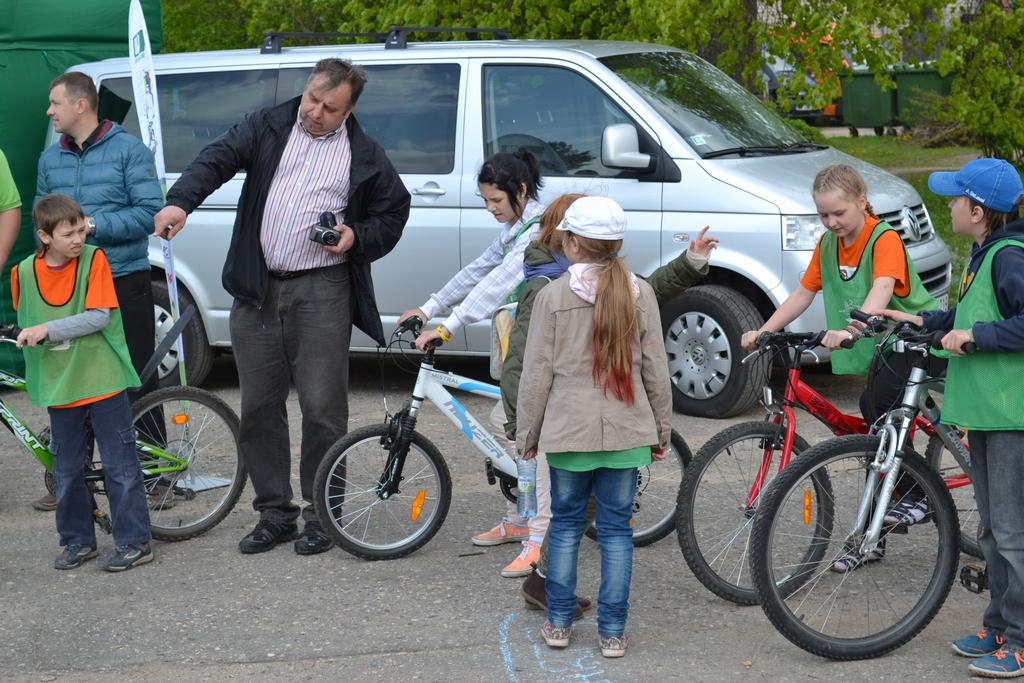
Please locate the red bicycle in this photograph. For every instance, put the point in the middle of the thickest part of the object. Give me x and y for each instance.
(718, 496)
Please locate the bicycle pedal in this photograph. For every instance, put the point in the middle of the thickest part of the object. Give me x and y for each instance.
(103, 521)
(974, 577)
(895, 529)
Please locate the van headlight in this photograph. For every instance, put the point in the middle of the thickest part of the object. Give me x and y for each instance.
(801, 233)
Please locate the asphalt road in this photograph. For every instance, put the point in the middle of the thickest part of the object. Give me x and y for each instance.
(203, 612)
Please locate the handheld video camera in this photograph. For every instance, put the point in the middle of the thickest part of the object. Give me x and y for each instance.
(323, 232)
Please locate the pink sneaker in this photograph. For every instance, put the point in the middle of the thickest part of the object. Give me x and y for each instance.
(523, 564)
(505, 532)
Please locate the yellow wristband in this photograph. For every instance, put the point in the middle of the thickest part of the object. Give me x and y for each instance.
(444, 334)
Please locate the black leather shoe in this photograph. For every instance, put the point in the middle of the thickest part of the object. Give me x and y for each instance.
(314, 540)
(266, 535)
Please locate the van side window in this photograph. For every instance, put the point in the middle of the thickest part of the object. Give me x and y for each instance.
(411, 110)
(195, 108)
(555, 113)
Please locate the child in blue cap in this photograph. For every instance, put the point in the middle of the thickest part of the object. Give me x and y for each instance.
(983, 393)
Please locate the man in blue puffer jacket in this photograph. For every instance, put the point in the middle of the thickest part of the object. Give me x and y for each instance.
(112, 175)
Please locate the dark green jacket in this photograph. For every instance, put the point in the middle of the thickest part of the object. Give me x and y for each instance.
(668, 282)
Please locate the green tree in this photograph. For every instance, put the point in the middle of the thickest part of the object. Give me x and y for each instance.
(987, 53)
(738, 36)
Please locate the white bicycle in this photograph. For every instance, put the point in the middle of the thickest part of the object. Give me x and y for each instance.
(383, 491)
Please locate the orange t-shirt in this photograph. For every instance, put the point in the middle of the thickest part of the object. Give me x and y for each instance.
(888, 259)
(56, 285)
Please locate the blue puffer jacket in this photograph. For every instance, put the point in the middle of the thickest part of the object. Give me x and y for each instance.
(115, 182)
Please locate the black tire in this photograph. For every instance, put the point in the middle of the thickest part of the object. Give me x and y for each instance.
(713, 520)
(361, 522)
(654, 506)
(198, 352)
(702, 328)
(943, 462)
(877, 607)
(196, 426)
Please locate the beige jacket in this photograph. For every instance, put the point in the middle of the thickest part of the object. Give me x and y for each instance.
(561, 408)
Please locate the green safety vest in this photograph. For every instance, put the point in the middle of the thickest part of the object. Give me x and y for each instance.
(841, 295)
(93, 365)
(983, 389)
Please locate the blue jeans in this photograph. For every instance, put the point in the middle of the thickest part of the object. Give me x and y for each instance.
(112, 424)
(613, 490)
(300, 335)
(997, 472)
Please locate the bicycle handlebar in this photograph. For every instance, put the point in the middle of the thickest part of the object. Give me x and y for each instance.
(411, 324)
(906, 331)
(9, 332)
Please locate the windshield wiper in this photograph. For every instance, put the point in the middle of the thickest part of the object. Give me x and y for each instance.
(765, 150)
(744, 151)
(803, 147)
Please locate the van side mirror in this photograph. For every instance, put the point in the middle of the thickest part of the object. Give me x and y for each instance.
(620, 148)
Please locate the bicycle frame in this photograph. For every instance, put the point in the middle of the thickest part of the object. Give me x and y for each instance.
(17, 426)
(150, 467)
(800, 394)
(917, 406)
(431, 386)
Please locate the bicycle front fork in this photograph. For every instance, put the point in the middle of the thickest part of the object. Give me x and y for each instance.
(399, 437)
(878, 487)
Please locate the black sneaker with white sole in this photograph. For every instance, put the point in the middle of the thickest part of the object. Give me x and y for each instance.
(73, 556)
(125, 557)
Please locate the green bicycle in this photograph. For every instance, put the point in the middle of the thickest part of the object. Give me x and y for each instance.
(187, 443)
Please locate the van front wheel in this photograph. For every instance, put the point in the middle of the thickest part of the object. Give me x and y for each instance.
(702, 328)
(198, 354)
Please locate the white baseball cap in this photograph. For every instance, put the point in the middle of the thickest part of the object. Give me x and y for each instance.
(598, 218)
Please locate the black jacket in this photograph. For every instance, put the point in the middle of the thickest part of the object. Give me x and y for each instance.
(378, 203)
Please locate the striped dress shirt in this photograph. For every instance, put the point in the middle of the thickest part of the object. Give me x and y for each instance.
(312, 177)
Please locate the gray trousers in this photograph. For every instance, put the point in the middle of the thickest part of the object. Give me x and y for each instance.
(997, 472)
(300, 336)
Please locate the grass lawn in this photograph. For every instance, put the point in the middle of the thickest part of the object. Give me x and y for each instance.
(912, 162)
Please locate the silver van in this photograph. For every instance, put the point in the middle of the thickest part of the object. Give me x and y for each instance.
(675, 141)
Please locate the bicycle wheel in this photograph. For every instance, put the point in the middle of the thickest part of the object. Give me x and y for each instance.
(959, 484)
(201, 429)
(345, 494)
(713, 518)
(657, 485)
(864, 612)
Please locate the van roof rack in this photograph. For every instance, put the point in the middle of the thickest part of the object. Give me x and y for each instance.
(274, 40)
(397, 37)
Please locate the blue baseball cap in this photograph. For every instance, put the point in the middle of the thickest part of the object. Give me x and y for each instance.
(993, 183)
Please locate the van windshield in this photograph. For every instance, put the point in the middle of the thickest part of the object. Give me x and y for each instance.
(713, 113)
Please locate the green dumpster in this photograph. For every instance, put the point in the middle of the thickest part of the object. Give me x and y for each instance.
(865, 104)
(917, 88)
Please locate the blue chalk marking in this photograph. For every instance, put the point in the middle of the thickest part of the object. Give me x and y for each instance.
(506, 646)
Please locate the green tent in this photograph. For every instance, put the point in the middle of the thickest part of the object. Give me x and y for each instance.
(39, 40)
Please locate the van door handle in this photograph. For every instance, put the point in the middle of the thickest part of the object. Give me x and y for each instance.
(430, 191)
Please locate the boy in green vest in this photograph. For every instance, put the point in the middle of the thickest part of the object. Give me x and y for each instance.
(64, 295)
(983, 393)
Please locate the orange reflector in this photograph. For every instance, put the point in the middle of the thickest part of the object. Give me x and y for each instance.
(417, 505)
(179, 419)
(807, 506)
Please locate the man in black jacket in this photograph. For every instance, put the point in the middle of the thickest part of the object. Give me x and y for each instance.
(297, 299)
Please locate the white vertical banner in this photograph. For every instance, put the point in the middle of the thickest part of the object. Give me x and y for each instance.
(147, 106)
